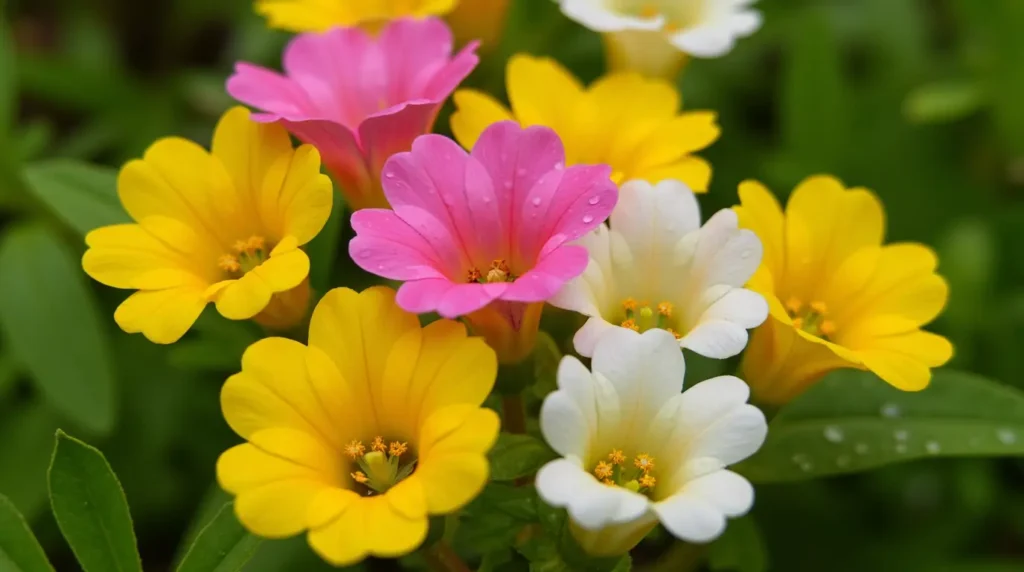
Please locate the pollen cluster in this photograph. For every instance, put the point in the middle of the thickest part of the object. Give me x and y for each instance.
(382, 467)
(811, 318)
(640, 317)
(614, 472)
(245, 255)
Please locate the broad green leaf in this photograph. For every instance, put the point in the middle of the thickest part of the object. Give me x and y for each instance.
(493, 520)
(323, 250)
(546, 357)
(8, 79)
(53, 326)
(83, 196)
(208, 509)
(852, 421)
(739, 549)
(91, 509)
(814, 108)
(19, 549)
(223, 546)
(1005, 80)
(291, 555)
(26, 444)
(515, 456)
(553, 548)
(944, 102)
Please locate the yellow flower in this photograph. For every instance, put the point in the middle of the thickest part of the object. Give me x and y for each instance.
(311, 414)
(838, 297)
(221, 227)
(482, 20)
(623, 120)
(322, 15)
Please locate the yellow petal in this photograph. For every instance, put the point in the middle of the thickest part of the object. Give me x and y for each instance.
(303, 201)
(278, 509)
(474, 112)
(248, 149)
(251, 293)
(542, 92)
(453, 467)
(126, 256)
(676, 138)
(623, 112)
(329, 505)
(163, 316)
(450, 482)
(475, 430)
(407, 498)
(760, 212)
(693, 171)
(246, 467)
(368, 527)
(307, 449)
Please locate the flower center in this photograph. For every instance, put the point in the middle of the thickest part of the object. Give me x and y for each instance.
(499, 272)
(383, 466)
(615, 472)
(244, 256)
(678, 14)
(640, 317)
(811, 318)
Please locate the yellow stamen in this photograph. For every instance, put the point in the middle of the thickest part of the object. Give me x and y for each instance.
(674, 333)
(798, 323)
(229, 263)
(608, 482)
(819, 307)
(644, 462)
(499, 271)
(359, 477)
(473, 275)
(255, 243)
(633, 486)
(241, 246)
(616, 457)
(630, 324)
(378, 445)
(646, 312)
(649, 10)
(647, 481)
(794, 305)
(397, 449)
(603, 470)
(827, 328)
(629, 305)
(355, 449)
(665, 309)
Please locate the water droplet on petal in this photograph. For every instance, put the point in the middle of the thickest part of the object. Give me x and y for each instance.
(861, 448)
(559, 166)
(594, 200)
(587, 219)
(932, 447)
(1006, 436)
(900, 434)
(834, 434)
(745, 254)
(364, 254)
(389, 175)
(890, 410)
(536, 201)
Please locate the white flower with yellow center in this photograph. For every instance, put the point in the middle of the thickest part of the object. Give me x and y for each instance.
(637, 451)
(657, 268)
(653, 36)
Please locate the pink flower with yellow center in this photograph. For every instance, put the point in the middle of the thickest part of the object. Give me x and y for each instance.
(485, 234)
(359, 98)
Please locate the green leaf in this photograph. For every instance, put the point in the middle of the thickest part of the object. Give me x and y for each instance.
(493, 520)
(944, 102)
(814, 107)
(53, 326)
(19, 549)
(324, 248)
(555, 549)
(852, 421)
(223, 546)
(546, 357)
(27, 437)
(91, 509)
(8, 80)
(516, 456)
(740, 548)
(81, 195)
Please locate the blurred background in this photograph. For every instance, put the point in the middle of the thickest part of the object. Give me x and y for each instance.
(919, 100)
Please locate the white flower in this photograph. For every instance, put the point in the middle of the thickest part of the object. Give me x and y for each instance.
(701, 28)
(658, 268)
(636, 450)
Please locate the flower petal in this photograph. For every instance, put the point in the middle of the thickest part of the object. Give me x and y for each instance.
(475, 111)
(163, 316)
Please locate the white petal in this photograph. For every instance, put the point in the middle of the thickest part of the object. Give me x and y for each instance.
(727, 254)
(743, 307)
(725, 490)
(652, 219)
(706, 41)
(690, 518)
(716, 339)
(746, 23)
(586, 337)
(594, 15)
(645, 369)
(595, 288)
(593, 505)
(733, 437)
(564, 424)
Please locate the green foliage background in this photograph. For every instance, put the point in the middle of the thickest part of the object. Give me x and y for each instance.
(920, 100)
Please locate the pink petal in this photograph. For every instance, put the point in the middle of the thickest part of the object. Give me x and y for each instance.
(549, 275)
(269, 91)
(585, 199)
(450, 76)
(341, 155)
(384, 135)
(466, 298)
(417, 51)
(340, 92)
(388, 247)
(423, 296)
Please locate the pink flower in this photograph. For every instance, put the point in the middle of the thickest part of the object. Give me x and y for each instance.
(484, 235)
(358, 98)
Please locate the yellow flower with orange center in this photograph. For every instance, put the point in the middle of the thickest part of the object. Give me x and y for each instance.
(838, 296)
(626, 121)
(224, 226)
(322, 15)
(363, 434)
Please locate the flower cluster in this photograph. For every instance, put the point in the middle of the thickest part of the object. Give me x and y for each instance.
(359, 423)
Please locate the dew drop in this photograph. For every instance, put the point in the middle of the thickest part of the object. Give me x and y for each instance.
(587, 219)
(901, 448)
(559, 166)
(890, 410)
(536, 201)
(745, 254)
(594, 200)
(932, 447)
(843, 461)
(380, 267)
(900, 434)
(799, 459)
(389, 175)
(861, 448)
(834, 434)
(364, 254)
(806, 467)
(1006, 436)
